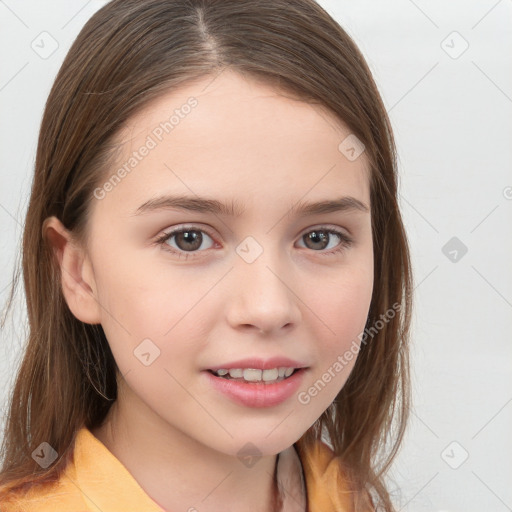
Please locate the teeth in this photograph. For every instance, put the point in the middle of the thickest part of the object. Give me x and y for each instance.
(288, 372)
(251, 374)
(256, 375)
(270, 374)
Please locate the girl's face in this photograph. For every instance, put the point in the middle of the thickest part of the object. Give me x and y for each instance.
(269, 280)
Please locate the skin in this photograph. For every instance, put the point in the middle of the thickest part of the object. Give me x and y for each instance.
(244, 141)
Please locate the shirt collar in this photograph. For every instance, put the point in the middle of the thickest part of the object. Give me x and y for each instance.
(290, 480)
(94, 466)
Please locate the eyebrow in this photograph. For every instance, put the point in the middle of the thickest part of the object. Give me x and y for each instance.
(234, 208)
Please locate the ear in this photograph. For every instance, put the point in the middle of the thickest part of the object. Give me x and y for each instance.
(77, 275)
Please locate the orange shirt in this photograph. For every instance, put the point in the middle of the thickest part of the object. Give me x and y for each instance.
(96, 481)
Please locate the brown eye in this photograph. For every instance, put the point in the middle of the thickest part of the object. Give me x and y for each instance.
(188, 240)
(185, 240)
(318, 239)
(323, 238)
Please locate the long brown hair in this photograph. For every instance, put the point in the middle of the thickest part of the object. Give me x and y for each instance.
(126, 55)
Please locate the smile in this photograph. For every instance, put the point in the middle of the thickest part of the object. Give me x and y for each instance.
(255, 375)
(249, 387)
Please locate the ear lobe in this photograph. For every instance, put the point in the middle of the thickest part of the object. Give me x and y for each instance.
(77, 279)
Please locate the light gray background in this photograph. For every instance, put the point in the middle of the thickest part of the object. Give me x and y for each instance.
(451, 113)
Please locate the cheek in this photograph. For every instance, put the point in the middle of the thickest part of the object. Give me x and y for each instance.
(147, 312)
(138, 297)
(341, 311)
(342, 305)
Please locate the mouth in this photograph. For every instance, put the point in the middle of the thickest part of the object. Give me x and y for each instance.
(255, 375)
(255, 383)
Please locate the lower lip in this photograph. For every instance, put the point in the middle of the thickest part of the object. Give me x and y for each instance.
(257, 394)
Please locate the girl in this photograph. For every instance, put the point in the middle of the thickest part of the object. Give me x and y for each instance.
(216, 271)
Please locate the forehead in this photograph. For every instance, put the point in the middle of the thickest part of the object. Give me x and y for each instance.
(233, 136)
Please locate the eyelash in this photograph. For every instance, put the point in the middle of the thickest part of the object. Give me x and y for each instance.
(345, 241)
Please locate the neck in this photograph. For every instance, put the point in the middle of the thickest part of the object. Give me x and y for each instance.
(180, 473)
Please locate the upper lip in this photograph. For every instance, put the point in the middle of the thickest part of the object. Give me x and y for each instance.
(260, 364)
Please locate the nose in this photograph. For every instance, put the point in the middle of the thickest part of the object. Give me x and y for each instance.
(263, 298)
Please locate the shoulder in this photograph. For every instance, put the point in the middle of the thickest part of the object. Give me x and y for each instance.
(94, 479)
(61, 496)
